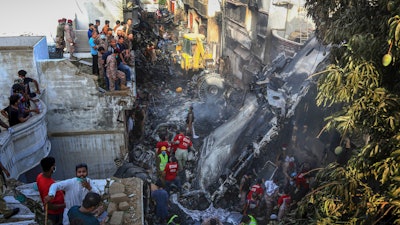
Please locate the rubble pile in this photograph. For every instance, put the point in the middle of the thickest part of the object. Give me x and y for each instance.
(124, 201)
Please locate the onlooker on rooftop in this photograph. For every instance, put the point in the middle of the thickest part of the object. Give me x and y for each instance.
(105, 27)
(27, 81)
(90, 30)
(93, 52)
(70, 39)
(117, 25)
(15, 114)
(113, 73)
(60, 42)
(97, 26)
(128, 29)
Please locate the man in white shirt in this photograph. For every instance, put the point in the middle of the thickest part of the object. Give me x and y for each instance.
(75, 189)
(271, 194)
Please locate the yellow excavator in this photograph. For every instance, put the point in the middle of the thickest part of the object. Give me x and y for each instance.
(193, 54)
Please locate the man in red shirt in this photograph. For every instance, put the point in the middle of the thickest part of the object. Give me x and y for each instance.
(253, 198)
(55, 207)
(170, 173)
(256, 188)
(183, 143)
(163, 143)
(283, 204)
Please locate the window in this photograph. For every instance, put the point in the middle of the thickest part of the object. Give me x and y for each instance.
(262, 25)
(236, 13)
(187, 46)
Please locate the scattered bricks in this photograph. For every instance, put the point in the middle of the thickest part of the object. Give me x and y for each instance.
(112, 207)
(119, 197)
(117, 218)
(123, 206)
(116, 187)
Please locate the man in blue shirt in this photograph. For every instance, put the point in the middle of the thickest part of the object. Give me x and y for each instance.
(90, 30)
(84, 213)
(93, 51)
(160, 197)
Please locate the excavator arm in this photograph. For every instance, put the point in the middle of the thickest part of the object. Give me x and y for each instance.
(198, 55)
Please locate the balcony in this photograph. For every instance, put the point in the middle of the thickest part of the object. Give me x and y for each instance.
(27, 143)
(201, 7)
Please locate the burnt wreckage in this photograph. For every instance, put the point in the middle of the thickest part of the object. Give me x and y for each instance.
(278, 89)
(228, 151)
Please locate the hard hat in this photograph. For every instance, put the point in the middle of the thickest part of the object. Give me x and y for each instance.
(163, 148)
(338, 150)
(179, 89)
(273, 217)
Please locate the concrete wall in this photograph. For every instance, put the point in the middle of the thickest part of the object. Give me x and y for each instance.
(97, 149)
(82, 122)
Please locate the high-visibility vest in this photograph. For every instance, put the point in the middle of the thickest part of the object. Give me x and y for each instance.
(163, 161)
(253, 220)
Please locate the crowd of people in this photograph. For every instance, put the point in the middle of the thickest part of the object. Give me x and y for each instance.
(112, 51)
(271, 198)
(23, 101)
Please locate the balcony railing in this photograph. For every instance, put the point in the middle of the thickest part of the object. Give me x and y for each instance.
(201, 8)
(22, 148)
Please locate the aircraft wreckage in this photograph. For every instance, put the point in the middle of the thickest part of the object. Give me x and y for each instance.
(227, 152)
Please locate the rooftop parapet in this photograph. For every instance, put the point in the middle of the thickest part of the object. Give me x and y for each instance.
(23, 147)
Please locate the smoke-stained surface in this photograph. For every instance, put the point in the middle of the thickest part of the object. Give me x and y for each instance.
(224, 145)
(239, 132)
(218, 148)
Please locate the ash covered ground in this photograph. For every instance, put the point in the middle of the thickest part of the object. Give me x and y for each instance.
(160, 109)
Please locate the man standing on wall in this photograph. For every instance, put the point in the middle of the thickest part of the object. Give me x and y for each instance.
(55, 207)
(60, 43)
(70, 38)
(90, 30)
(97, 26)
(93, 52)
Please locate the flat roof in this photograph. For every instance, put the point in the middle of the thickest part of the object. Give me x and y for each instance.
(20, 41)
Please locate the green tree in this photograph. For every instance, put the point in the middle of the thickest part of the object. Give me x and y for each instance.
(364, 79)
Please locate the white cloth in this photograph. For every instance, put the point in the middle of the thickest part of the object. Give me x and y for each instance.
(270, 187)
(131, 124)
(74, 193)
(289, 159)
